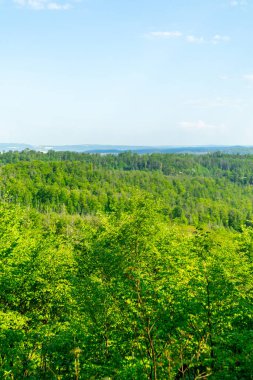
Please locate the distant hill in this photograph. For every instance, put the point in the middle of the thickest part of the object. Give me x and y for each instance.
(115, 149)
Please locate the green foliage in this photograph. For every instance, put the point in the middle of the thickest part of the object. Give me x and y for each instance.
(125, 267)
(77, 187)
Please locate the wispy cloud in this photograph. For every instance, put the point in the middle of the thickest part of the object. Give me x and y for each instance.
(199, 125)
(194, 40)
(190, 38)
(248, 77)
(43, 5)
(217, 38)
(174, 34)
(216, 103)
(236, 3)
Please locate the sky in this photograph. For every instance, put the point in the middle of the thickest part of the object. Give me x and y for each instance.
(128, 72)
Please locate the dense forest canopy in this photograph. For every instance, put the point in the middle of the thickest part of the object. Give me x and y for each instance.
(126, 266)
(193, 189)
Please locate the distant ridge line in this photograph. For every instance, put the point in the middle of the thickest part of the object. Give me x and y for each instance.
(116, 149)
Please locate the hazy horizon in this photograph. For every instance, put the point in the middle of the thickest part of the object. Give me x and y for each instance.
(94, 145)
(146, 73)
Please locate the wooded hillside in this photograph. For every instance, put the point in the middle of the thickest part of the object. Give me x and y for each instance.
(126, 266)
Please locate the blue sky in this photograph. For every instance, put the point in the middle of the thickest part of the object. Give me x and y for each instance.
(140, 72)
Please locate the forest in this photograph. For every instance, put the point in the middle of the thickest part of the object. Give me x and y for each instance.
(126, 266)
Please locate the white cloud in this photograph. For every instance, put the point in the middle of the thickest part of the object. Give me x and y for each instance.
(190, 38)
(248, 77)
(194, 40)
(43, 5)
(219, 102)
(217, 38)
(174, 34)
(199, 125)
(236, 3)
(57, 6)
